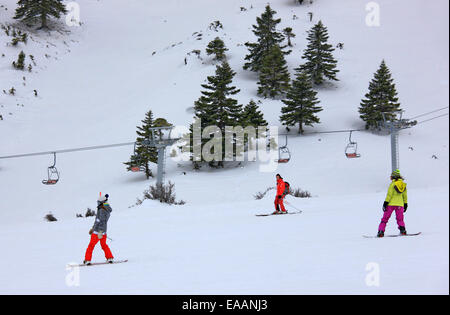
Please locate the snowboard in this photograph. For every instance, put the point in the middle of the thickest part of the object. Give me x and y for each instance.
(99, 263)
(392, 235)
(269, 214)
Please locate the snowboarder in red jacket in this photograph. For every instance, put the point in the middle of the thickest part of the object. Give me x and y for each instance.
(281, 186)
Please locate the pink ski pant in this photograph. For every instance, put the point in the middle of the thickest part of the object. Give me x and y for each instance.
(387, 215)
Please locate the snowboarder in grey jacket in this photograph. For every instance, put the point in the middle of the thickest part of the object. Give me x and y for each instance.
(101, 219)
(98, 231)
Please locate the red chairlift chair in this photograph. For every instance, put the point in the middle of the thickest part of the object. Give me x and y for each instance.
(351, 150)
(52, 173)
(284, 155)
(137, 167)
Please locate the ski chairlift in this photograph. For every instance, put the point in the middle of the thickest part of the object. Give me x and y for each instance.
(351, 150)
(137, 168)
(52, 173)
(284, 155)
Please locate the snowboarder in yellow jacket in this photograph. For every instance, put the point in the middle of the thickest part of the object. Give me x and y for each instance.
(396, 200)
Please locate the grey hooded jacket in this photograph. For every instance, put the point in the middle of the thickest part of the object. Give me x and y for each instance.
(102, 217)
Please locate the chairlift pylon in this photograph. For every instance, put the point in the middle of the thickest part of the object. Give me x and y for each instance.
(52, 173)
(284, 155)
(351, 150)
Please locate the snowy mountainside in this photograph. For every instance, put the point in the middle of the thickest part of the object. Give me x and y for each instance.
(126, 58)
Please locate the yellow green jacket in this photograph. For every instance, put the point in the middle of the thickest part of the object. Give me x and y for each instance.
(397, 194)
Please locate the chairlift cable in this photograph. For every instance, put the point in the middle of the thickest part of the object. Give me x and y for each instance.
(68, 150)
(434, 111)
(420, 122)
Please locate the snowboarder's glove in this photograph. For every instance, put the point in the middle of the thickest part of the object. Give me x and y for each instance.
(405, 207)
(279, 196)
(385, 204)
(100, 235)
(91, 231)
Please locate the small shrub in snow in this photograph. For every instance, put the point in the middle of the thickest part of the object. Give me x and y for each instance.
(20, 63)
(89, 213)
(19, 37)
(50, 217)
(216, 25)
(6, 28)
(260, 195)
(196, 52)
(164, 193)
(139, 202)
(297, 192)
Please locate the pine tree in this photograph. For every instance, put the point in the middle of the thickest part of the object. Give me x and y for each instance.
(381, 98)
(31, 11)
(252, 116)
(320, 62)
(144, 154)
(267, 35)
(20, 64)
(217, 48)
(274, 74)
(301, 101)
(215, 107)
(289, 34)
(161, 122)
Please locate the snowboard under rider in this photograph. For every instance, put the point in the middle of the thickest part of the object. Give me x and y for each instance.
(98, 231)
(281, 193)
(396, 200)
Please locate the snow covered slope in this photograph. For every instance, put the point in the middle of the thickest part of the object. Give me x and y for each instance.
(128, 58)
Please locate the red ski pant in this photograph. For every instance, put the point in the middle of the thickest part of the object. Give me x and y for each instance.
(279, 204)
(387, 215)
(91, 246)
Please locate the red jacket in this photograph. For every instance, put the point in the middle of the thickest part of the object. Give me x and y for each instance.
(280, 187)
